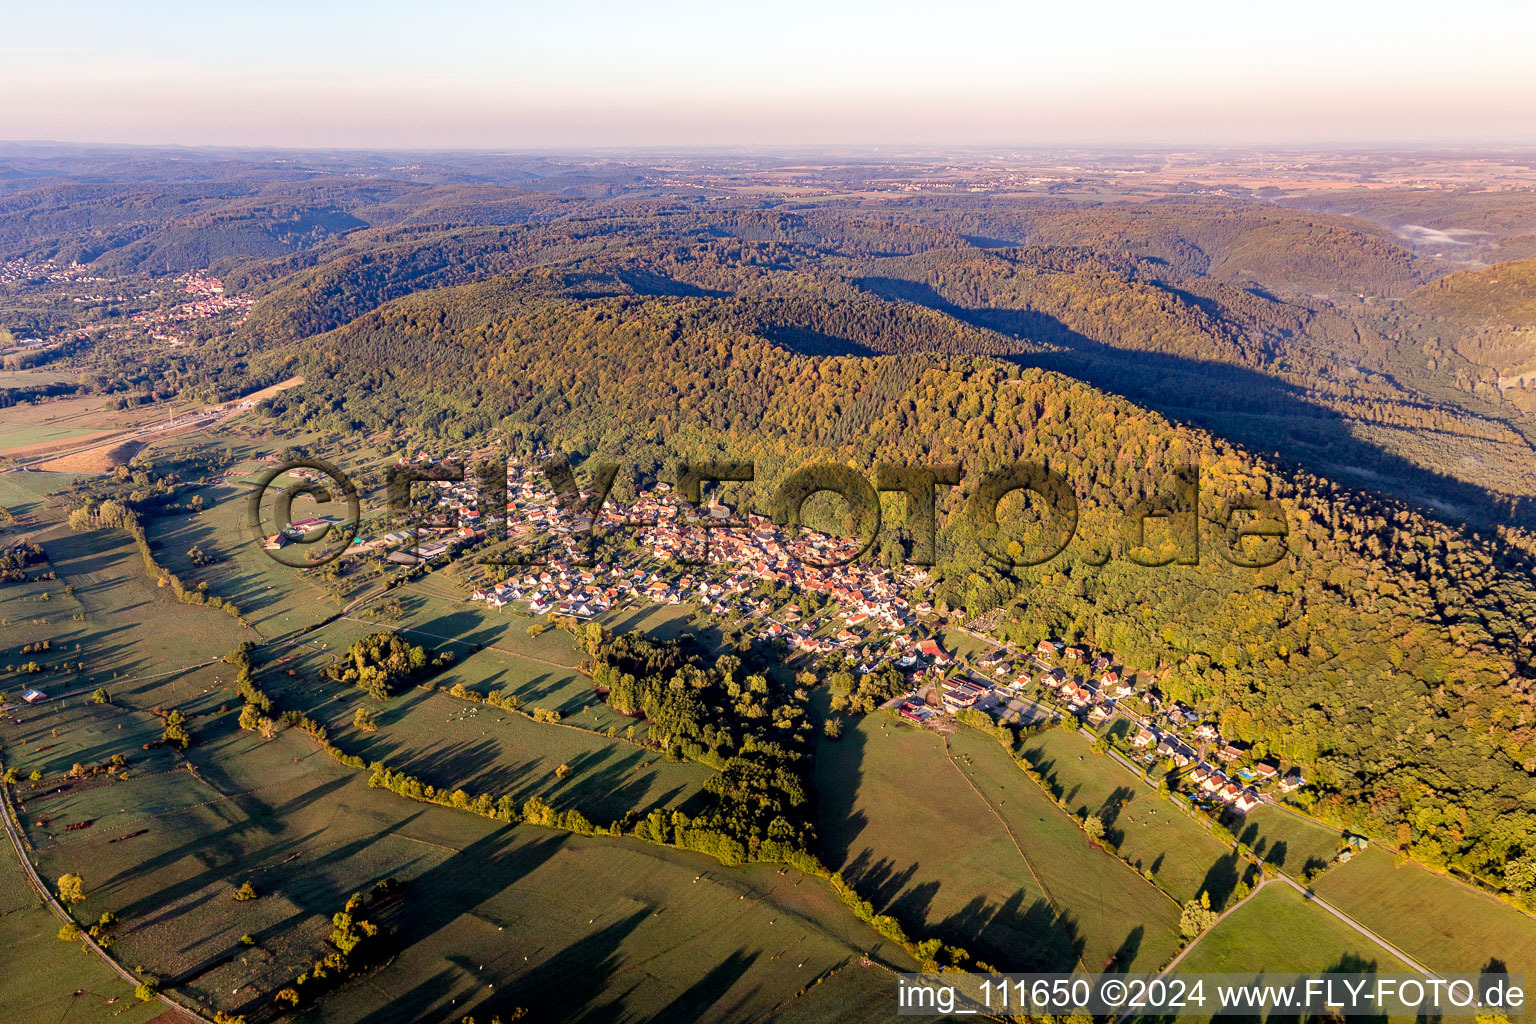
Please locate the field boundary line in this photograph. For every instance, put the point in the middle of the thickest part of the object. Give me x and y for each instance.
(1012, 838)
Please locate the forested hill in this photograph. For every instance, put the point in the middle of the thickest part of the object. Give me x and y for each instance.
(1388, 650)
(1489, 318)
(1349, 393)
(1241, 243)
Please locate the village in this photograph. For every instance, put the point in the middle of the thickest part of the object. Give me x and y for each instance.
(804, 593)
(205, 301)
(202, 303)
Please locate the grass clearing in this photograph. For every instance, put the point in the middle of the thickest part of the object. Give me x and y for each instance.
(50, 982)
(24, 494)
(643, 928)
(33, 435)
(908, 829)
(1286, 840)
(617, 930)
(905, 830)
(453, 744)
(128, 628)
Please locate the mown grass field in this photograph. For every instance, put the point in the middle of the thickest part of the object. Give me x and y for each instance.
(27, 435)
(1153, 834)
(619, 930)
(453, 744)
(1443, 925)
(963, 645)
(904, 828)
(118, 624)
(926, 840)
(1122, 921)
(614, 929)
(24, 494)
(1286, 840)
(275, 598)
(1278, 930)
(63, 984)
(46, 423)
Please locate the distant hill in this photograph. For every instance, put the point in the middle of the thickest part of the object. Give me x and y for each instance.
(1489, 318)
(1502, 296)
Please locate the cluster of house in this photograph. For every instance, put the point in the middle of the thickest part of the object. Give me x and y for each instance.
(206, 301)
(15, 271)
(714, 557)
(1092, 687)
(1229, 787)
(1090, 693)
(718, 559)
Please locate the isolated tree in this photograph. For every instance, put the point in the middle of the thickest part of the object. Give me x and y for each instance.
(1197, 916)
(176, 733)
(71, 888)
(247, 891)
(1094, 826)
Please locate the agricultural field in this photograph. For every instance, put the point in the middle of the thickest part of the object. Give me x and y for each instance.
(274, 598)
(913, 839)
(1442, 924)
(25, 436)
(24, 495)
(1123, 922)
(453, 744)
(1278, 930)
(1151, 833)
(96, 616)
(33, 429)
(621, 931)
(169, 845)
(99, 625)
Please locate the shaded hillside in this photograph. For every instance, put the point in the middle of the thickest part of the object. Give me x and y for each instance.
(1278, 249)
(1320, 389)
(1500, 296)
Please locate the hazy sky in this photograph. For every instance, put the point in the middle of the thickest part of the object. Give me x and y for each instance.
(463, 73)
